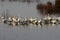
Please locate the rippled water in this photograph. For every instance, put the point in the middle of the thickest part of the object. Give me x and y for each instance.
(30, 32)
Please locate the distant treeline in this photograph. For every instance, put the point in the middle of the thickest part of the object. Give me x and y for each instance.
(23, 0)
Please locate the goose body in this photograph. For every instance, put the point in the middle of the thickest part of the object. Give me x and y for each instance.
(53, 22)
(15, 20)
(39, 21)
(47, 19)
(4, 20)
(31, 20)
(35, 22)
(10, 20)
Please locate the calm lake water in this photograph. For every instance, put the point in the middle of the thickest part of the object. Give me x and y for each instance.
(30, 32)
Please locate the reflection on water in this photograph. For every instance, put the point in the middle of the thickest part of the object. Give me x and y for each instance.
(31, 27)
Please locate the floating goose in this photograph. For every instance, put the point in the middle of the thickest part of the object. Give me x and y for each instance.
(31, 20)
(53, 21)
(10, 20)
(15, 21)
(47, 20)
(39, 21)
(47, 17)
(58, 20)
(19, 20)
(4, 20)
(24, 22)
(35, 22)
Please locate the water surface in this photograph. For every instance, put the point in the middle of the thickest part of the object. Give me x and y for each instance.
(30, 32)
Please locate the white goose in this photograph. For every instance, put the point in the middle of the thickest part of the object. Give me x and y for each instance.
(31, 20)
(4, 20)
(35, 22)
(53, 21)
(47, 19)
(10, 19)
(58, 18)
(39, 21)
(15, 21)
